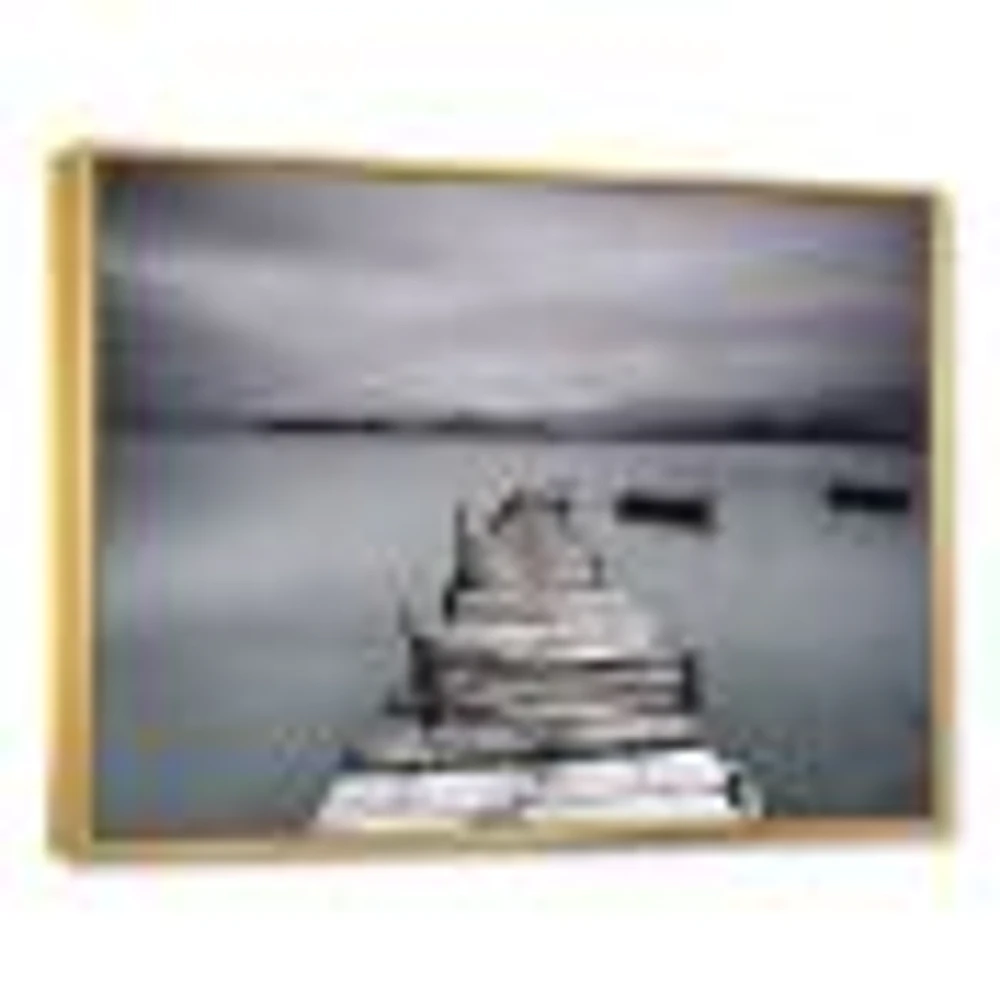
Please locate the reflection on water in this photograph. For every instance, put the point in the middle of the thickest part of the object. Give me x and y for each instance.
(249, 591)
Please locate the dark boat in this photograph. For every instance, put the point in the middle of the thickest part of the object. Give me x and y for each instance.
(687, 511)
(877, 498)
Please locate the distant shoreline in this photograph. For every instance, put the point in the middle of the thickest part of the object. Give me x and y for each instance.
(376, 428)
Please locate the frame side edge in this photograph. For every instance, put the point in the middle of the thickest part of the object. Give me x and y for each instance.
(944, 550)
(70, 760)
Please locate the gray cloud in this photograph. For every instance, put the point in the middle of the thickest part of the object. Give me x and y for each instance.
(246, 294)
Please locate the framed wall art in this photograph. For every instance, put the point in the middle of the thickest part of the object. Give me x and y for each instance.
(405, 507)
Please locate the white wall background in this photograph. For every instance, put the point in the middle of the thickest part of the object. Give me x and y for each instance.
(869, 90)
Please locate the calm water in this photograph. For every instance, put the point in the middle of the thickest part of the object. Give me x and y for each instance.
(250, 590)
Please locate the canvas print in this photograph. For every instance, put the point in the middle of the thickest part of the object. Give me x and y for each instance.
(461, 503)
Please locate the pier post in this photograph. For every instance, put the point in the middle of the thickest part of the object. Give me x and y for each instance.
(424, 679)
(691, 695)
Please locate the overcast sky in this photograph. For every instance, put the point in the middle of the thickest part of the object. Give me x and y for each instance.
(300, 293)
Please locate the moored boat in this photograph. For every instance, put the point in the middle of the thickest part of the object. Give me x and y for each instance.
(876, 498)
(694, 511)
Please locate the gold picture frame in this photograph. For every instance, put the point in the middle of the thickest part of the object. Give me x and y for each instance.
(73, 449)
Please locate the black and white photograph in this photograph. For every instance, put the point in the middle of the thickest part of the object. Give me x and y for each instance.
(451, 502)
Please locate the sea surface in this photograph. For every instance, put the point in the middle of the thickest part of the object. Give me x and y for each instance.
(250, 590)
